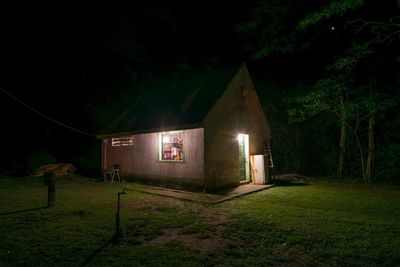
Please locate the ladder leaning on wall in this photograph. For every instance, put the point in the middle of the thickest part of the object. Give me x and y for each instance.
(268, 161)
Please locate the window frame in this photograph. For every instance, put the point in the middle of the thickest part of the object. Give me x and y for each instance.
(161, 146)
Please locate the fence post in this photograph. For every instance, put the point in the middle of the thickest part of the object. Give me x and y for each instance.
(51, 188)
(117, 218)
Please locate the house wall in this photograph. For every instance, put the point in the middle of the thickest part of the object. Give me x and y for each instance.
(140, 161)
(237, 111)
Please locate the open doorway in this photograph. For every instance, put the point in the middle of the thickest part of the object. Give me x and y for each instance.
(244, 158)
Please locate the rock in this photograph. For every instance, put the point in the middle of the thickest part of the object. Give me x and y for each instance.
(59, 169)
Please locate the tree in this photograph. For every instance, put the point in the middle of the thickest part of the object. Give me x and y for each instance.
(280, 25)
(352, 92)
(335, 95)
(350, 101)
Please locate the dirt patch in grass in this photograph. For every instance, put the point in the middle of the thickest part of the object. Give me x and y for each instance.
(157, 204)
(205, 236)
(213, 245)
(290, 254)
(150, 202)
(79, 213)
(203, 233)
(214, 217)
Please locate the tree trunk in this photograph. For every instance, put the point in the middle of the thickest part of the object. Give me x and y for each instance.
(342, 150)
(371, 147)
(361, 155)
(342, 142)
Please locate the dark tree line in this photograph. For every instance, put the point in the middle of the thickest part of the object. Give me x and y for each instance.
(355, 86)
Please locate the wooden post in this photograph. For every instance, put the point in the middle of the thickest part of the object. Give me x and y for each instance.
(117, 218)
(51, 188)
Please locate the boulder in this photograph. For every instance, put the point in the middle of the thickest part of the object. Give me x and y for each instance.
(59, 169)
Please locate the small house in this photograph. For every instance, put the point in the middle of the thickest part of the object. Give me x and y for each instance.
(199, 134)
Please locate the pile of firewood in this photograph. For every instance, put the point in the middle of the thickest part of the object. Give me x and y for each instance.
(59, 169)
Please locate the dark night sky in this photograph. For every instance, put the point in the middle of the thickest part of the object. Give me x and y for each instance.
(66, 59)
(85, 52)
(78, 51)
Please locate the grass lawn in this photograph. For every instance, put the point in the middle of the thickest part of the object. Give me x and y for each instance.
(319, 224)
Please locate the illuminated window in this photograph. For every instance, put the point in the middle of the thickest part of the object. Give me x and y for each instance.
(122, 141)
(171, 146)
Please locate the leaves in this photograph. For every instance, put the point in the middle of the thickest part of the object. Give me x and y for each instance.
(324, 96)
(348, 62)
(277, 26)
(338, 7)
(271, 27)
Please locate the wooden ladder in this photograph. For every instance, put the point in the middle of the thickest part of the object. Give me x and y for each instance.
(268, 154)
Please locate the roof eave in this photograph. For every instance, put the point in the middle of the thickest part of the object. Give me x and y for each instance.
(154, 130)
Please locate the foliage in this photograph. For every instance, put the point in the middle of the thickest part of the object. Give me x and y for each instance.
(387, 156)
(267, 27)
(326, 94)
(356, 77)
(351, 58)
(351, 102)
(89, 163)
(389, 172)
(38, 158)
(337, 7)
(279, 26)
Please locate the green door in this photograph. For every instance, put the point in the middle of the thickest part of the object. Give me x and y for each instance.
(243, 140)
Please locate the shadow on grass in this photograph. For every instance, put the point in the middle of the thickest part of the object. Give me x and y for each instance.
(22, 211)
(287, 183)
(98, 250)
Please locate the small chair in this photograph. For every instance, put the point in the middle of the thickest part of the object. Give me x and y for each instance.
(111, 173)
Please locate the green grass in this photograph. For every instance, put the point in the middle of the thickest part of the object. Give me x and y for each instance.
(319, 224)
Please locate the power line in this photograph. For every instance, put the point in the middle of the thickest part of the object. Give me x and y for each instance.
(47, 117)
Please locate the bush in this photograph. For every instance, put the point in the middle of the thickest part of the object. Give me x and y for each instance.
(38, 158)
(387, 162)
(89, 163)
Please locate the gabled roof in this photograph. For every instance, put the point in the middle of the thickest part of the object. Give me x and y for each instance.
(178, 106)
